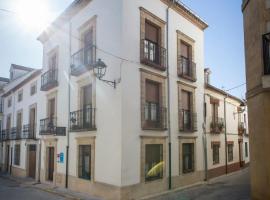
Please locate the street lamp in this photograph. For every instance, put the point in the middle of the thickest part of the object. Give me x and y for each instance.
(100, 69)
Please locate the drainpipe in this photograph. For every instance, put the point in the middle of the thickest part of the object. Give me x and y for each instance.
(225, 130)
(68, 131)
(205, 139)
(168, 96)
(39, 161)
(11, 158)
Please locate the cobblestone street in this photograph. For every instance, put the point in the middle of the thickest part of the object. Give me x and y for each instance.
(231, 187)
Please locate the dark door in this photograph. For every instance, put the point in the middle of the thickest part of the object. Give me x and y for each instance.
(32, 161)
(7, 158)
(87, 106)
(50, 163)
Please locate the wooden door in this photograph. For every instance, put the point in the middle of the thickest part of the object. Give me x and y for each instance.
(7, 158)
(32, 161)
(50, 163)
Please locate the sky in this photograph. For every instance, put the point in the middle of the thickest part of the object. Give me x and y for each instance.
(224, 42)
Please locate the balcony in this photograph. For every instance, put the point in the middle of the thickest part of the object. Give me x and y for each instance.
(5, 135)
(241, 129)
(15, 133)
(48, 126)
(217, 126)
(187, 121)
(83, 120)
(154, 117)
(29, 131)
(83, 60)
(186, 69)
(153, 55)
(49, 80)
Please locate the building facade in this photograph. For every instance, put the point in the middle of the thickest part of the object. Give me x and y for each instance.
(135, 127)
(257, 45)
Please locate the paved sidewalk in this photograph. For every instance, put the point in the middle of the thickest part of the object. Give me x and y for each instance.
(12, 188)
(234, 186)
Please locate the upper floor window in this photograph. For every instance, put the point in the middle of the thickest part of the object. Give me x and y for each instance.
(266, 53)
(9, 101)
(53, 61)
(186, 67)
(33, 89)
(8, 122)
(153, 52)
(20, 96)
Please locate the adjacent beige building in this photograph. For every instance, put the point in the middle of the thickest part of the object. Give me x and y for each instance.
(257, 46)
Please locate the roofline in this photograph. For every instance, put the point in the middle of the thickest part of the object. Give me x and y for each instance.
(21, 84)
(22, 67)
(3, 79)
(65, 16)
(188, 13)
(215, 89)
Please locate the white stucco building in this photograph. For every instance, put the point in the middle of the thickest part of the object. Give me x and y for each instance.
(133, 130)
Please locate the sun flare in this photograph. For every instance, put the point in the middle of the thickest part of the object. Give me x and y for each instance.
(33, 14)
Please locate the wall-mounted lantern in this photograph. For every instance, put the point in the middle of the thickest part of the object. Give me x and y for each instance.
(100, 70)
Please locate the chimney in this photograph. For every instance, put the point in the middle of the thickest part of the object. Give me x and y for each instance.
(207, 73)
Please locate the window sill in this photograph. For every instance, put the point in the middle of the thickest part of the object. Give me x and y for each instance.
(187, 78)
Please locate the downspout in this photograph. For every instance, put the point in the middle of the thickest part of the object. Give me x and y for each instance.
(205, 139)
(68, 131)
(225, 133)
(168, 96)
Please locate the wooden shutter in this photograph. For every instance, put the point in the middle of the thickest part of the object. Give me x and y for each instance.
(8, 122)
(87, 95)
(185, 50)
(88, 37)
(186, 98)
(151, 32)
(152, 92)
(52, 107)
(19, 121)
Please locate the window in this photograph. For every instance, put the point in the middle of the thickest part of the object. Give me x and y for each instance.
(17, 152)
(20, 96)
(186, 112)
(246, 149)
(230, 152)
(84, 162)
(53, 61)
(9, 101)
(188, 157)
(186, 52)
(154, 163)
(8, 123)
(266, 53)
(33, 89)
(215, 112)
(88, 49)
(215, 153)
(19, 122)
(152, 102)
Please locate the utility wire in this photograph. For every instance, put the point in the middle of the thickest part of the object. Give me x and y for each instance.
(109, 53)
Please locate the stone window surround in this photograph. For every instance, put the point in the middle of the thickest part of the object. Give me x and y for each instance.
(51, 96)
(152, 140)
(82, 83)
(184, 140)
(188, 88)
(147, 15)
(183, 37)
(86, 141)
(147, 75)
(86, 26)
(34, 84)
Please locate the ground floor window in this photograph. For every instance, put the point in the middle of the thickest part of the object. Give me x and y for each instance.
(215, 154)
(84, 162)
(154, 162)
(17, 152)
(230, 152)
(188, 157)
(246, 149)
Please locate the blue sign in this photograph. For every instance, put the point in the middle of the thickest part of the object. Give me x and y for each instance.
(60, 157)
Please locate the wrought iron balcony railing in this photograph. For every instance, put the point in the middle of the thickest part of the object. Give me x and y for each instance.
(186, 69)
(48, 126)
(84, 119)
(83, 60)
(49, 79)
(5, 135)
(153, 55)
(29, 131)
(187, 121)
(15, 133)
(217, 125)
(154, 117)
